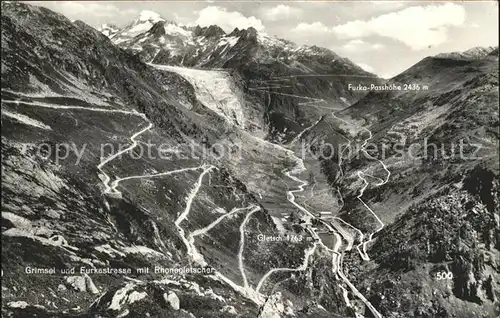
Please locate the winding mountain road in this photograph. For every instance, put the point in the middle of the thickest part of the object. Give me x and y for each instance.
(189, 201)
(188, 239)
(204, 94)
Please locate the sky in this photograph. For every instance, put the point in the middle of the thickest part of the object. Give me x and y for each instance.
(383, 37)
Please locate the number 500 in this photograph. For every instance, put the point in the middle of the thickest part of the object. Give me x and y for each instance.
(444, 275)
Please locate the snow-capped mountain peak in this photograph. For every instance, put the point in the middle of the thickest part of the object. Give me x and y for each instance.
(477, 52)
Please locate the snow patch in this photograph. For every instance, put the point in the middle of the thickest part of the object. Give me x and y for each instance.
(16, 220)
(56, 240)
(230, 310)
(231, 40)
(176, 30)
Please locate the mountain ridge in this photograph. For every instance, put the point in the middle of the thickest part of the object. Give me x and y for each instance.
(477, 52)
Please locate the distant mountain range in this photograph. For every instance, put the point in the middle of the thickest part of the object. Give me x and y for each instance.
(196, 173)
(262, 61)
(472, 53)
(441, 134)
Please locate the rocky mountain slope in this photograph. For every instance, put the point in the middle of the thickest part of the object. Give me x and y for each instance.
(428, 160)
